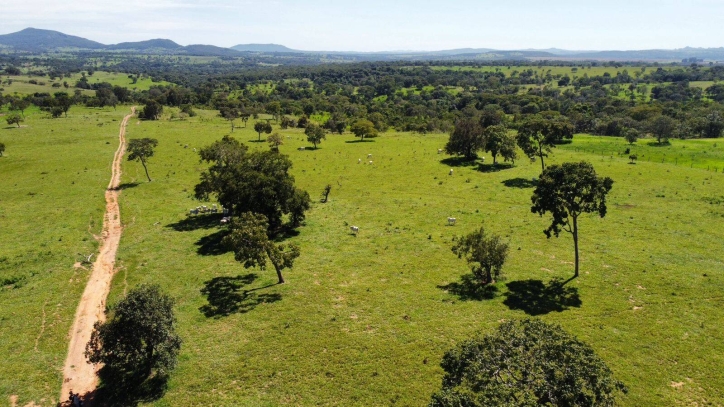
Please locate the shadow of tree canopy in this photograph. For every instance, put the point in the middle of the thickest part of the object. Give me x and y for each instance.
(211, 245)
(121, 388)
(459, 162)
(191, 223)
(226, 296)
(469, 289)
(359, 141)
(519, 183)
(494, 167)
(127, 185)
(536, 298)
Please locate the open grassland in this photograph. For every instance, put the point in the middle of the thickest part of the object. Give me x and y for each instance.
(572, 71)
(365, 320)
(21, 83)
(54, 173)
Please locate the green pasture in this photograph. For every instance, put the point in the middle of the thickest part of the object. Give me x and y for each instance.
(577, 71)
(21, 83)
(364, 320)
(53, 176)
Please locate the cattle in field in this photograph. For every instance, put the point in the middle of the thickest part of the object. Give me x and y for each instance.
(354, 229)
(451, 221)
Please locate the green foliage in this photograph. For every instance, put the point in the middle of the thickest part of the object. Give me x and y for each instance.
(485, 254)
(662, 127)
(257, 181)
(138, 341)
(262, 127)
(315, 134)
(466, 139)
(141, 150)
(538, 135)
(252, 247)
(2, 149)
(566, 191)
(364, 128)
(499, 142)
(14, 118)
(151, 111)
(275, 140)
(631, 135)
(525, 363)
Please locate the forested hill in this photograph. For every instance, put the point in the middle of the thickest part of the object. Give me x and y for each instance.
(35, 40)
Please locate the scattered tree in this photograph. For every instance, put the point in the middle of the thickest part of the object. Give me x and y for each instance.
(538, 135)
(250, 242)
(139, 340)
(230, 112)
(633, 158)
(325, 192)
(14, 118)
(315, 134)
(567, 191)
(151, 111)
(257, 181)
(525, 363)
(364, 128)
(662, 127)
(631, 135)
(262, 127)
(485, 254)
(245, 118)
(141, 150)
(499, 142)
(466, 139)
(275, 140)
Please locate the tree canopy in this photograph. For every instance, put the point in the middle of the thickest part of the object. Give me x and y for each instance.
(466, 139)
(525, 363)
(566, 191)
(484, 253)
(141, 150)
(499, 142)
(262, 127)
(257, 181)
(364, 128)
(315, 134)
(538, 135)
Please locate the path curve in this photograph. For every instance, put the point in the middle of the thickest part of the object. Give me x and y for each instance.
(79, 375)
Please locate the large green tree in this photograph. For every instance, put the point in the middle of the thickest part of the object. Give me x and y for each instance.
(139, 338)
(257, 181)
(538, 135)
(252, 245)
(525, 363)
(364, 128)
(466, 139)
(663, 128)
(141, 150)
(315, 134)
(13, 118)
(566, 192)
(484, 253)
(262, 127)
(499, 142)
(151, 111)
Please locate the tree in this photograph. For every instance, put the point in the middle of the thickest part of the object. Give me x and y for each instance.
(230, 112)
(631, 135)
(662, 127)
(567, 191)
(466, 139)
(141, 150)
(245, 118)
(262, 127)
(315, 134)
(151, 111)
(257, 181)
(364, 128)
(525, 363)
(250, 242)
(713, 125)
(14, 118)
(139, 339)
(498, 141)
(274, 109)
(63, 101)
(538, 135)
(18, 104)
(485, 254)
(275, 140)
(2, 149)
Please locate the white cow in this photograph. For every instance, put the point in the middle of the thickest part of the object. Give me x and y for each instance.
(451, 221)
(369, 155)
(301, 149)
(483, 159)
(370, 162)
(439, 150)
(354, 229)
(451, 171)
(359, 160)
(225, 220)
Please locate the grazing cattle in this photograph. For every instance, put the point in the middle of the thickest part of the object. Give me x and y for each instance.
(369, 155)
(194, 149)
(451, 171)
(439, 150)
(451, 221)
(354, 229)
(301, 149)
(194, 212)
(370, 162)
(359, 160)
(225, 220)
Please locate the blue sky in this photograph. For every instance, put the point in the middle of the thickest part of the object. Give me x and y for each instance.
(379, 25)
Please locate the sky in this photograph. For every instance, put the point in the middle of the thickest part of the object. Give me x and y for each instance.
(383, 25)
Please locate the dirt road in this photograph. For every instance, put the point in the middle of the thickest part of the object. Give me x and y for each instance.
(79, 375)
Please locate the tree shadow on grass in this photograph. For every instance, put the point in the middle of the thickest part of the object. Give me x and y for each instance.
(211, 245)
(257, 141)
(459, 162)
(127, 185)
(120, 388)
(494, 167)
(519, 183)
(469, 289)
(359, 141)
(536, 298)
(226, 296)
(206, 221)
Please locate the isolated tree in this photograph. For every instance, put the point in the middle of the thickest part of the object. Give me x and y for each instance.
(19, 104)
(257, 181)
(2, 149)
(139, 340)
(499, 142)
(466, 139)
(315, 134)
(325, 192)
(275, 140)
(485, 254)
(631, 135)
(633, 158)
(230, 112)
(14, 118)
(525, 363)
(538, 135)
(63, 101)
(252, 246)
(151, 111)
(566, 191)
(262, 127)
(663, 128)
(141, 150)
(364, 128)
(245, 118)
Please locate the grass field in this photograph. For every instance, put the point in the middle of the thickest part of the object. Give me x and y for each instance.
(365, 320)
(571, 71)
(54, 172)
(21, 83)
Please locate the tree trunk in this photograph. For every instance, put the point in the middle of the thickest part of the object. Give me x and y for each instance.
(542, 164)
(259, 136)
(495, 159)
(575, 241)
(279, 274)
(145, 168)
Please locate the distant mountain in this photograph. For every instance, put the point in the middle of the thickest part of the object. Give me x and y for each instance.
(263, 48)
(209, 50)
(158, 43)
(709, 54)
(35, 40)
